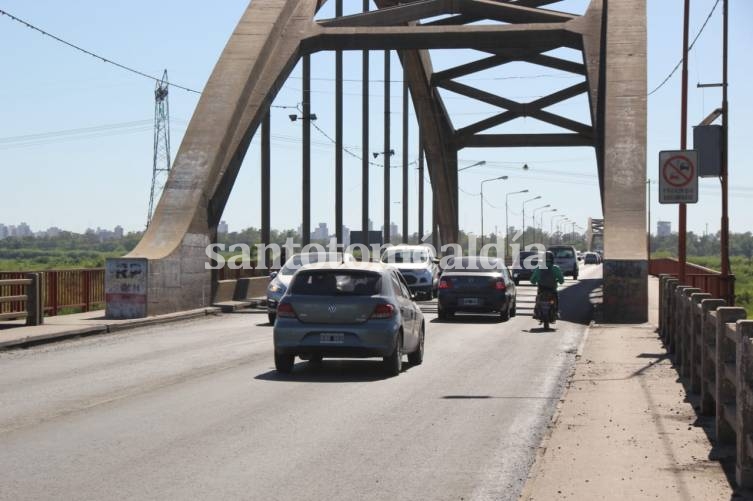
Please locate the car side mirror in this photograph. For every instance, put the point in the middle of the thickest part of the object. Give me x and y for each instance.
(272, 275)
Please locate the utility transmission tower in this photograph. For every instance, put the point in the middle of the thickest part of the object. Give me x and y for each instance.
(161, 167)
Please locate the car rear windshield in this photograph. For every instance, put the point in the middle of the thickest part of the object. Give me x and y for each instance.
(298, 261)
(481, 264)
(405, 256)
(336, 283)
(562, 252)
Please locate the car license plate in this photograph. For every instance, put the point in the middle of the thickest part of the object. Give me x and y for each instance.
(470, 301)
(331, 338)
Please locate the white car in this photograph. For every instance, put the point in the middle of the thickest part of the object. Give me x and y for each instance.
(280, 281)
(418, 265)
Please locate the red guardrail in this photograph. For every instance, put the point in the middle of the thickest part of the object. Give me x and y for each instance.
(82, 289)
(700, 277)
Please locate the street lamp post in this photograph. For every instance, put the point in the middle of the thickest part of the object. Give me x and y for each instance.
(507, 210)
(551, 226)
(541, 222)
(533, 217)
(524, 219)
(482, 203)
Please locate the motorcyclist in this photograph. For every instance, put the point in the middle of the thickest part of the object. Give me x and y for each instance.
(547, 278)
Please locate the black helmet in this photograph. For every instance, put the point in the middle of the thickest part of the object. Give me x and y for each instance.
(549, 256)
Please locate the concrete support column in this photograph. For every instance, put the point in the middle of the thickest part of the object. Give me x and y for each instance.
(683, 354)
(744, 371)
(708, 371)
(725, 389)
(624, 163)
(696, 338)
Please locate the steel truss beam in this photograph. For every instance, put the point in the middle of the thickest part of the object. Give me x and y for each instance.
(273, 35)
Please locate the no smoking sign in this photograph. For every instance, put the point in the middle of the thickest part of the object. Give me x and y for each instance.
(678, 177)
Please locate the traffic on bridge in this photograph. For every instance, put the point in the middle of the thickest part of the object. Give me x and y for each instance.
(392, 250)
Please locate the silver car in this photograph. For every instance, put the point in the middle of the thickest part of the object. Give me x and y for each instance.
(279, 282)
(348, 310)
(419, 267)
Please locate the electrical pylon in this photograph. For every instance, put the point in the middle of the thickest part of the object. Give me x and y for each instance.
(161, 166)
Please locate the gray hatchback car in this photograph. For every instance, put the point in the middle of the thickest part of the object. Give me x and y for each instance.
(348, 310)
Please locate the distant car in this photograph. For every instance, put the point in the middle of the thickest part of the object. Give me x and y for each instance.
(565, 258)
(280, 281)
(418, 265)
(591, 258)
(351, 310)
(523, 265)
(476, 285)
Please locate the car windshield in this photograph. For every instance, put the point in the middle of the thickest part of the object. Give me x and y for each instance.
(405, 256)
(562, 252)
(299, 260)
(336, 283)
(472, 263)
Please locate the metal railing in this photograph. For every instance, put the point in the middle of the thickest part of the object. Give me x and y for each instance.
(713, 348)
(77, 289)
(21, 298)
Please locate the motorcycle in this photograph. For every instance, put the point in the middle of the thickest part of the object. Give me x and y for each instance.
(546, 308)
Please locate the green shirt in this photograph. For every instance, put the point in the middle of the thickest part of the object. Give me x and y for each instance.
(557, 275)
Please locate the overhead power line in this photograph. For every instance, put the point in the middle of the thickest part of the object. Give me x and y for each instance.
(690, 47)
(90, 53)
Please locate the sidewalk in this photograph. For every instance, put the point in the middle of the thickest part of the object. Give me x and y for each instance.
(625, 429)
(83, 324)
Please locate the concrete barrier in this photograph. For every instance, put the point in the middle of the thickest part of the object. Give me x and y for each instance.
(225, 291)
(232, 295)
(713, 348)
(251, 288)
(32, 298)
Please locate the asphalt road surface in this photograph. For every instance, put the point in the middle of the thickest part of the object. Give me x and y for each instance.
(195, 410)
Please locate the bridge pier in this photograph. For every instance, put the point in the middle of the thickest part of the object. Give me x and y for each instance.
(623, 161)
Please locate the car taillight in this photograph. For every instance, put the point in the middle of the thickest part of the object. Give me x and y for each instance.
(445, 284)
(285, 310)
(500, 285)
(383, 310)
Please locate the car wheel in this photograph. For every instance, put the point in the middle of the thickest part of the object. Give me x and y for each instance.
(272, 317)
(441, 313)
(417, 357)
(394, 362)
(575, 277)
(514, 310)
(517, 281)
(504, 315)
(284, 363)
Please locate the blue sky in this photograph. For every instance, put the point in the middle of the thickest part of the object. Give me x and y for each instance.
(101, 176)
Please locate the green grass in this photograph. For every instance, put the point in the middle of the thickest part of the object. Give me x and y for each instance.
(743, 271)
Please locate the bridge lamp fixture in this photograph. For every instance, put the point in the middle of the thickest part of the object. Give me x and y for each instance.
(477, 164)
(294, 118)
(377, 153)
